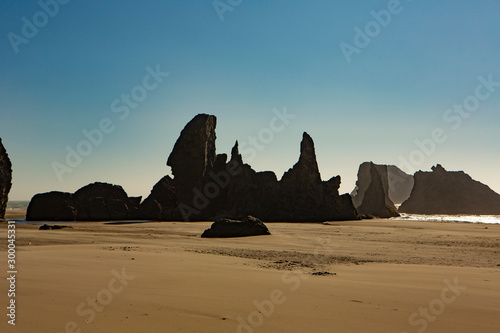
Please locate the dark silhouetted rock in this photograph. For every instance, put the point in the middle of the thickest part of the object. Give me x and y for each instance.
(397, 183)
(323, 273)
(248, 192)
(337, 207)
(52, 206)
(94, 202)
(400, 184)
(371, 196)
(161, 204)
(57, 227)
(450, 192)
(135, 201)
(305, 172)
(53, 227)
(5, 179)
(249, 226)
(303, 197)
(102, 201)
(192, 157)
(300, 196)
(205, 187)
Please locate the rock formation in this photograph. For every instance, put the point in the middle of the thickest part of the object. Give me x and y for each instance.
(102, 201)
(249, 192)
(304, 197)
(249, 226)
(371, 195)
(94, 202)
(5, 179)
(192, 157)
(52, 206)
(400, 184)
(205, 186)
(161, 204)
(450, 192)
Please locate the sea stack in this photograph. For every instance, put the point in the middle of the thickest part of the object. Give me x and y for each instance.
(94, 202)
(371, 195)
(400, 184)
(450, 192)
(192, 157)
(5, 179)
(307, 197)
(206, 186)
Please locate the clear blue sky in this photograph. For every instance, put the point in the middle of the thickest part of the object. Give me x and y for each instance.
(263, 56)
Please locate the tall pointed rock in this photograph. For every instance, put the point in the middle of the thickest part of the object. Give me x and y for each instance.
(193, 156)
(305, 172)
(371, 196)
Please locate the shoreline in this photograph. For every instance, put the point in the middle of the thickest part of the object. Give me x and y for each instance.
(16, 213)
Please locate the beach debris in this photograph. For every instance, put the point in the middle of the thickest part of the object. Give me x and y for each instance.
(323, 273)
(53, 227)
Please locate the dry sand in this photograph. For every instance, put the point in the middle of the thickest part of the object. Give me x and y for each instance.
(385, 276)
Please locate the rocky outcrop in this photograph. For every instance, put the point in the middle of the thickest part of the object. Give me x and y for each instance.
(192, 157)
(450, 192)
(52, 206)
(102, 201)
(300, 196)
(305, 173)
(400, 184)
(304, 197)
(161, 204)
(249, 226)
(5, 179)
(248, 192)
(371, 195)
(94, 202)
(207, 186)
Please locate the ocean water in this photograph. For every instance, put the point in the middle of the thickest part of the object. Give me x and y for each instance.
(17, 205)
(491, 219)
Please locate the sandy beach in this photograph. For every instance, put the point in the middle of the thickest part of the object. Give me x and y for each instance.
(356, 276)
